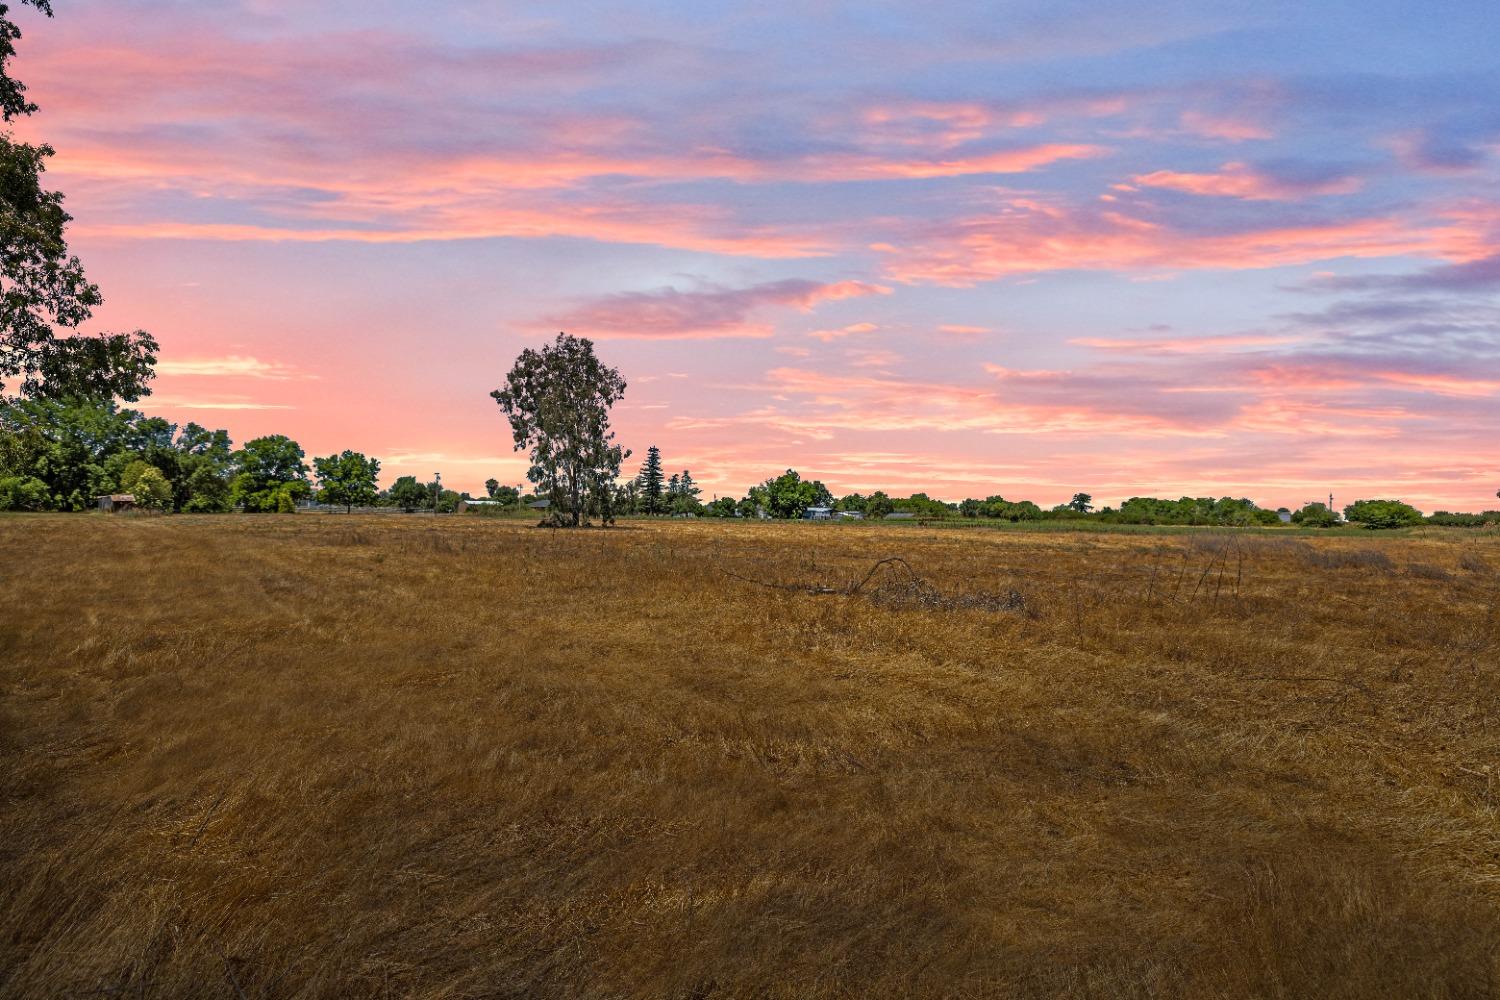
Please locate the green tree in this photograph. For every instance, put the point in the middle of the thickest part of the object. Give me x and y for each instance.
(652, 489)
(1316, 515)
(490, 486)
(721, 507)
(789, 495)
(441, 500)
(42, 286)
(24, 493)
(271, 474)
(147, 484)
(408, 494)
(557, 400)
(207, 490)
(879, 505)
(1382, 514)
(78, 448)
(1081, 502)
(347, 478)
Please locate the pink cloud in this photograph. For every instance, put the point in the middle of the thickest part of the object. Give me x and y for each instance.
(844, 331)
(1214, 126)
(1024, 236)
(1184, 345)
(704, 314)
(1237, 180)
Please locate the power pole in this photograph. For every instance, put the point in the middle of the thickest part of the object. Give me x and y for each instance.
(437, 491)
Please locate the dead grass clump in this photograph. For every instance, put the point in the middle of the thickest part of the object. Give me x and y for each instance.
(1472, 562)
(1320, 557)
(1427, 571)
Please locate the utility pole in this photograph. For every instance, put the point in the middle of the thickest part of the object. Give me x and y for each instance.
(437, 491)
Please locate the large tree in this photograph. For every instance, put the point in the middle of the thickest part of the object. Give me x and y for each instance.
(43, 289)
(558, 400)
(347, 478)
(408, 494)
(272, 475)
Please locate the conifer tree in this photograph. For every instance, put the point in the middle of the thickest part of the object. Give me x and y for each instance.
(653, 500)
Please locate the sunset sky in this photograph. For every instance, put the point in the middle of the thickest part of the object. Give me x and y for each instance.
(1023, 248)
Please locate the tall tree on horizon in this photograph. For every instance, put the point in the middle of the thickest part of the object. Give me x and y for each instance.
(347, 478)
(652, 484)
(557, 400)
(42, 286)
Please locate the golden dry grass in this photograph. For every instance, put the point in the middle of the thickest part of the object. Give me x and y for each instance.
(325, 756)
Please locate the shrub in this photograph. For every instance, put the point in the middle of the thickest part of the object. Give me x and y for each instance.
(24, 493)
(147, 484)
(1316, 515)
(1382, 514)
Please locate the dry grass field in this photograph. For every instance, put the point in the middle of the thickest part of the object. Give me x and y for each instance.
(391, 757)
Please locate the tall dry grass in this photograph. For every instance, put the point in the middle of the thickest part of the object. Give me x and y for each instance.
(298, 757)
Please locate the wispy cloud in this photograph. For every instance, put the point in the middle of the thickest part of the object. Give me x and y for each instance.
(705, 313)
(231, 366)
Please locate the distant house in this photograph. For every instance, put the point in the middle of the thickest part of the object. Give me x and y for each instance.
(464, 505)
(901, 515)
(1285, 515)
(117, 502)
(818, 514)
(542, 504)
(852, 515)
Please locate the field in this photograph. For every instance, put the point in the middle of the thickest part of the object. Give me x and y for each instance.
(459, 757)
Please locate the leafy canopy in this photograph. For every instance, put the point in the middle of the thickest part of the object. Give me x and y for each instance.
(347, 478)
(1382, 514)
(557, 400)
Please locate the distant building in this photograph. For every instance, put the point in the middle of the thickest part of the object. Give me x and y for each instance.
(542, 504)
(852, 515)
(117, 502)
(901, 515)
(818, 514)
(1285, 515)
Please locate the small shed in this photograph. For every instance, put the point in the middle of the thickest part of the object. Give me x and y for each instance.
(542, 504)
(117, 502)
(818, 513)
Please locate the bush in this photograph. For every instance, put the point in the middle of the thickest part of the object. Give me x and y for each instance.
(1316, 515)
(1448, 519)
(147, 484)
(24, 493)
(1382, 514)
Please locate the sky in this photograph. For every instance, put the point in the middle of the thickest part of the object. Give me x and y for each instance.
(1022, 248)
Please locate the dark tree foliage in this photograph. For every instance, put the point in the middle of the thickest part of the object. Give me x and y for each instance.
(272, 474)
(408, 494)
(42, 286)
(1382, 514)
(347, 478)
(652, 487)
(102, 367)
(558, 401)
(13, 103)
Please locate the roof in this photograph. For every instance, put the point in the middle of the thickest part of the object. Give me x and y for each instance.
(120, 497)
(540, 504)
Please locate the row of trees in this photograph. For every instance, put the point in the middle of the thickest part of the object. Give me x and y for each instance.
(61, 454)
